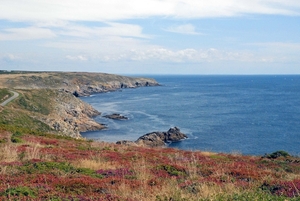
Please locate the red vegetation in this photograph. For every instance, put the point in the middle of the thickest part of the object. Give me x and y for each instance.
(51, 167)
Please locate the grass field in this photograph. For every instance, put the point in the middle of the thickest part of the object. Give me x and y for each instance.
(41, 166)
(4, 94)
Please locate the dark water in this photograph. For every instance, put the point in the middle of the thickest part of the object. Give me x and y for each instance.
(245, 114)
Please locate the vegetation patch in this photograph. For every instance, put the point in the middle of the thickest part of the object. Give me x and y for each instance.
(4, 94)
(20, 191)
(173, 170)
(277, 154)
(36, 101)
(52, 167)
(56, 168)
(16, 137)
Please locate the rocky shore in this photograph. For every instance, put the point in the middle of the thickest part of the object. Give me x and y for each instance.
(157, 139)
(67, 114)
(115, 116)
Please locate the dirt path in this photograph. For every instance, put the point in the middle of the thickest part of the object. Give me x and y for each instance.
(10, 99)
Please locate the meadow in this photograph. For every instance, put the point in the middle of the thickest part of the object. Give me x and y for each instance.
(41, 166)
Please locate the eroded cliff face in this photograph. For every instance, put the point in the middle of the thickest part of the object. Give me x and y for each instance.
(71, 115)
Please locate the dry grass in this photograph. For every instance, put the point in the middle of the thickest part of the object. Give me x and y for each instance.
(94, 164)
(8, 152)
(105, 171)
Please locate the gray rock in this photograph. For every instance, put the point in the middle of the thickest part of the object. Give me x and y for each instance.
(157, 139)
(116, 116)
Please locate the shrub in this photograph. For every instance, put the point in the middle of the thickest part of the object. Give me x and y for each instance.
(173, 170)
(277, 154)
(20, 191)
(15, 138)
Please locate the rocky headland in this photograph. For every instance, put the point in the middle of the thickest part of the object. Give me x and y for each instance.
(77, 83)
(51, 97)
(157, 139)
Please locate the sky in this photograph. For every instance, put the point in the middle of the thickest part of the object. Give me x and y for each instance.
(151, 36)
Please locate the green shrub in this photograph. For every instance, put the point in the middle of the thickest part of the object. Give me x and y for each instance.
(20, 191)
(46, 167)
(172, 170)
(15, 138)
(277, 154)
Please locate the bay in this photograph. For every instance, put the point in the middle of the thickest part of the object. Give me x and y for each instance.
(253, 115)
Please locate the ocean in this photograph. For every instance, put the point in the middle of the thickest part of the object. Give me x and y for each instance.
(250, 115)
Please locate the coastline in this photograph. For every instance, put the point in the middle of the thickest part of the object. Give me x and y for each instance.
(53, 97)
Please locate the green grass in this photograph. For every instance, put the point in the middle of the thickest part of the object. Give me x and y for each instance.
(56, 168)
(20, 191)
(4, 94)
(16, 137)
(20, 121)
(36, 101)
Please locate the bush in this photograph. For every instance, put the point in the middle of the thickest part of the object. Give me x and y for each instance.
(20, 191)
(277, 154)
(15, 138)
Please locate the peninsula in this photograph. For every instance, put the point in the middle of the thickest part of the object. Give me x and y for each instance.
(50, 98)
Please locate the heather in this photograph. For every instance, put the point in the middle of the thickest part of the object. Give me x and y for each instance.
(41, 166)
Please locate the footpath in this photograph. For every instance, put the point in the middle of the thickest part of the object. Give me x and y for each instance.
(10, 99)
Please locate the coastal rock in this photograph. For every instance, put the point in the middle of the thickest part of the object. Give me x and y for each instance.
(70, 115)
(157, 139)
(65, 113)
(115, 116)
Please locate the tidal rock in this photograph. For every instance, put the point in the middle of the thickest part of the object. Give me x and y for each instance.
(157, 139)
(116, 116)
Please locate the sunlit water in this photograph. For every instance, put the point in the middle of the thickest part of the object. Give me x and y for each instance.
(245, 114)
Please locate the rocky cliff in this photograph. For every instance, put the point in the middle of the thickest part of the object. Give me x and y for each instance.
(50, 97)
(71, 116)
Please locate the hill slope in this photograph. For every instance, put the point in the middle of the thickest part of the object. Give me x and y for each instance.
(50, 98)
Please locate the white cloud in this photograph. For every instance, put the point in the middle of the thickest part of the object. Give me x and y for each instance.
(27, 33)
(111, 29)
(9, 57)
(160, 54)
(183, 29)
(110, 10)
(77, 58)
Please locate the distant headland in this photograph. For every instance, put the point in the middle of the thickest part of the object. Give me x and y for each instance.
(50, 98)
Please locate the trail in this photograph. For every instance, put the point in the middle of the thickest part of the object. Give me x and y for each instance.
(10, 99)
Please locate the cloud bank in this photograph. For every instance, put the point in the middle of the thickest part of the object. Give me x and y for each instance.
(84, 31)
(111, 10)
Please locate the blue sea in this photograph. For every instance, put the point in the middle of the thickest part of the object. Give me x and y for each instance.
(251, 115)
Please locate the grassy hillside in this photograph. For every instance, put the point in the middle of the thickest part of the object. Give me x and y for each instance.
(4, 94)
(69, 80)
(49, 167)
(38, 164)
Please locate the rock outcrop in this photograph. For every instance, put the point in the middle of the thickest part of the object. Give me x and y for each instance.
(157, 139)
(115, 116)
(70, 115)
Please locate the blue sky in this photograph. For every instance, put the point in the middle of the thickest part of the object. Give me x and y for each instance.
(151, 36)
